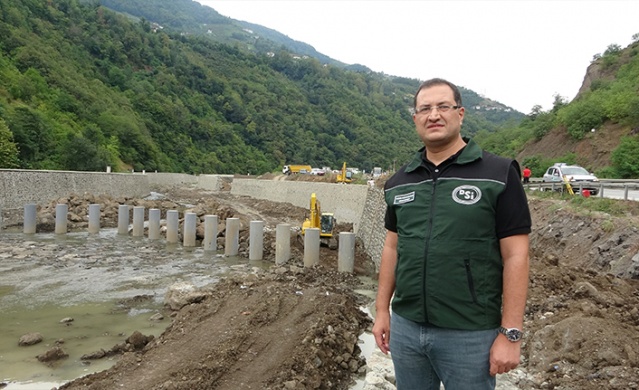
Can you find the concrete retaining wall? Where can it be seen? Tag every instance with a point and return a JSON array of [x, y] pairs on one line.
[[371, 229], [205, 182], [21, 187], [345, 201]]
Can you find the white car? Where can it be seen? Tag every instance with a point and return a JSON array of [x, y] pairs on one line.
[[578, 177], [317, 171]]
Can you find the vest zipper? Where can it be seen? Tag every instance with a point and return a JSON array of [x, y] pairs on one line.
[[428, 238]]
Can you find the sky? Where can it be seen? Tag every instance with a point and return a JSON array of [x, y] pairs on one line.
[[520, 53]]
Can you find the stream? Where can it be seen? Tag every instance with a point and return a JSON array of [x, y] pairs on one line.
[[47, 279]]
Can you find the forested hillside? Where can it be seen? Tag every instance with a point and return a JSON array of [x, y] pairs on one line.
[[190, 17], [83, 87], [599, 129]]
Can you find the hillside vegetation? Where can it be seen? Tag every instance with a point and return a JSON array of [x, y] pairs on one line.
[[83, 87], [598, 129]]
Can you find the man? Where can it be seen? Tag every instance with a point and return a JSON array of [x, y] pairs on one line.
[[527, 173], [457, 223]]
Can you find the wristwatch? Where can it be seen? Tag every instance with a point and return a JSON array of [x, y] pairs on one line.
[[512, 334]]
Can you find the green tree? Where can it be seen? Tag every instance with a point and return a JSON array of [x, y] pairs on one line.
[[34, 137], [583, 115], [625, 158], [8, 149]]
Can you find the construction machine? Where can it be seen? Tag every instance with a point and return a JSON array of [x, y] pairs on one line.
[[344, 176], [291, 169], [325, 222]]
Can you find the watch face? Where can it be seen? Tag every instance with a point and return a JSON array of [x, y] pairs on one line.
[[512, 334]]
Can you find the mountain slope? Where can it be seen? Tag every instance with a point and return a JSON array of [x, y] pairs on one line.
[[599, 128], [190, 17], [82, 87]]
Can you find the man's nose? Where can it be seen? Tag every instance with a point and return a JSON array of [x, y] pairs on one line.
[[434, 114]]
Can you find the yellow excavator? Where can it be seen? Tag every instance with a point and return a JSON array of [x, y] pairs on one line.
[[325, 222], [344, 176]]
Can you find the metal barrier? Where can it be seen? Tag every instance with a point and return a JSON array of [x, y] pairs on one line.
[[629, 188]]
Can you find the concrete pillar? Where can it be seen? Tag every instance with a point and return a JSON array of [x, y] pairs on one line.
[[256, 240], [94, 218], [138, 221], [172, 225], [30, 216], [188, 229], [282, 243], [123, 219], [210, 233], [311, 247], [154, 224], [232, 243], [346, 253], [61, 211]]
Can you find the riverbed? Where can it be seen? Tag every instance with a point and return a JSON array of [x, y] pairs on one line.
[[109, 285]]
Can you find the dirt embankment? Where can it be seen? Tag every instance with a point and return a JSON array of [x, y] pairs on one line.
[[280, 330], [582, 316]]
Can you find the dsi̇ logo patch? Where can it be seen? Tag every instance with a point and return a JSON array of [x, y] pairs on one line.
[[466, 194]]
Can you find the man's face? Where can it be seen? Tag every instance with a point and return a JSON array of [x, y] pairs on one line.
[[437, 128]]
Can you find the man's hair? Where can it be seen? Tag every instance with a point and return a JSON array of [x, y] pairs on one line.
[[438, 81]]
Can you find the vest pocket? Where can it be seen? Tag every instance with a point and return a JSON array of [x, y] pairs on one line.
[[471, 284]]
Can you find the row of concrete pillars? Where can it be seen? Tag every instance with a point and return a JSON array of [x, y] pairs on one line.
[[346, 254]]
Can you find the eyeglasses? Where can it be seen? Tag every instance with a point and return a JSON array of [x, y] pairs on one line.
[[426, 110]]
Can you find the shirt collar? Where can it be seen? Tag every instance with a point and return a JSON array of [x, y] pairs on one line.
[[468, 154]]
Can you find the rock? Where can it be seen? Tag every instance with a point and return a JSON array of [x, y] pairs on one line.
[[94, 355], [181, 294], [55, 353], [30, 339], [156, 317], [585, 289], [138, 340]]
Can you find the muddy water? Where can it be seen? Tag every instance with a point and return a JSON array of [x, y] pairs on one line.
[[95, 326], [45, 278]]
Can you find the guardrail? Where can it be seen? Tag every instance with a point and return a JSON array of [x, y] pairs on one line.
[[602, 186]]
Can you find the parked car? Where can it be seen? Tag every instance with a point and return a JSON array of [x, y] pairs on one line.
[[577, 176], [318, 172]]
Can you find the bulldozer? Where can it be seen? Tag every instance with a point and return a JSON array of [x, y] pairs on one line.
[[325, 222], [344, 176]]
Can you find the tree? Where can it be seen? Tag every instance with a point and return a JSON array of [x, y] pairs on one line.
[[558, 102], [33, 136], [8, 149], [626, 157], [81, 155]]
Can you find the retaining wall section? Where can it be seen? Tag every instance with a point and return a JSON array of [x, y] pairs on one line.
[[205, 182], [371, 229], [20, 187], [345, 201]]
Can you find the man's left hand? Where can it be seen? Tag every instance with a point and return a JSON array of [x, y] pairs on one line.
[[504, 355]]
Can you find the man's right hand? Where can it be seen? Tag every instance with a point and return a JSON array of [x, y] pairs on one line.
[[381, 331]]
